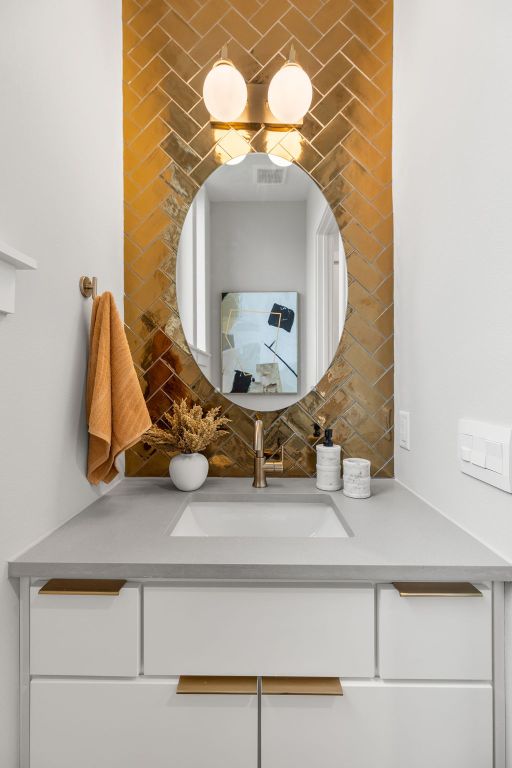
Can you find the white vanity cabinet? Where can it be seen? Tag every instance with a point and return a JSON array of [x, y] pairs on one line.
[[421, 686], [390, 725], [137, 723], [255, 630], [435, 637], [85, 634]]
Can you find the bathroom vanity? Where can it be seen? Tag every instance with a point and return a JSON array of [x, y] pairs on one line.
[[230, 646]]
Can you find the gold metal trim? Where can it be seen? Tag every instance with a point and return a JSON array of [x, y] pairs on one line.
[[256, 114], [301, 686], [194, 684], [102, 587], [436, 589]]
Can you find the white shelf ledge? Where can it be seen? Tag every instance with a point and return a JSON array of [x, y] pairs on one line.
[[10, 261]]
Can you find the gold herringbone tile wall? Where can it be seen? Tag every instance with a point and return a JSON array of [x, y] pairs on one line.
[[345, 144]]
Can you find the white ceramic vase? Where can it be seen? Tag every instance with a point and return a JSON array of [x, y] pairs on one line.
[[188, 471]]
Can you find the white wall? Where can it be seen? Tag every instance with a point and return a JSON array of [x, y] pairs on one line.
[[61, 203], [452, 181], [452, 177], [258, 247]]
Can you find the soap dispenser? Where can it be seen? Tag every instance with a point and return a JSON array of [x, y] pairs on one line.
[[328, 464]]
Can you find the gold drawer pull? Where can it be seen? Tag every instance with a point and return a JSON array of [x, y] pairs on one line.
[[217, 684], [436, 589], [107, 587], [301, 686]]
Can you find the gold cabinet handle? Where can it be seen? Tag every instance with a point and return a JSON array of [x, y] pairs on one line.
[[301, 686], [271, 686], [106, 587], [194, 684], [436, 589]]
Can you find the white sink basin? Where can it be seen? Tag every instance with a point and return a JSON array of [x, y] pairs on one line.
[[260, 514]]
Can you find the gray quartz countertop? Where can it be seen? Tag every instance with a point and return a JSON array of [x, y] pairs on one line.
[[394, 535]]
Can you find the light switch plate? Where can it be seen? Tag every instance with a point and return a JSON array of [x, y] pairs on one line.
[[485, 452], [404, 426], [494, 456]]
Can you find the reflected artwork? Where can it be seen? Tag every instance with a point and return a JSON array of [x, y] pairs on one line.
[[259, 342]]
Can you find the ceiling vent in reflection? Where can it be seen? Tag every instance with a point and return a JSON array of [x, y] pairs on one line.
[[270, 175]]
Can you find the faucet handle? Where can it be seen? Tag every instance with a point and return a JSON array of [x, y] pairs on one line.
[[275, 465], [258, 437]]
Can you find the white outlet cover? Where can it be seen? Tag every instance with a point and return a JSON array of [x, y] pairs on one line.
[[404, 427]]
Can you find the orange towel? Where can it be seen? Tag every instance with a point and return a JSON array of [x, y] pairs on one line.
[[116, 412]]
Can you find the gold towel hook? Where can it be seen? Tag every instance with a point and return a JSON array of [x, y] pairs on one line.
[[88, 286]]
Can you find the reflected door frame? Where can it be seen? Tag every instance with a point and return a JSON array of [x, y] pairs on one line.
[[330, 291], [192, 279]]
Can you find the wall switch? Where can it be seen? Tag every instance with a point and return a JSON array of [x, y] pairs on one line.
[[466, 447], [478, 452], [494, 456], [485, 452], [404, 427]]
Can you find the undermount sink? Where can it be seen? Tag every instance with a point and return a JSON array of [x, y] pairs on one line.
[[262, 514]]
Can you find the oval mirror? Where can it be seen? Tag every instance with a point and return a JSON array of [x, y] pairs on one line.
[[261, 282]]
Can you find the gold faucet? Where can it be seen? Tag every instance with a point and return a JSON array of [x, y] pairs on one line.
[[263, 465]]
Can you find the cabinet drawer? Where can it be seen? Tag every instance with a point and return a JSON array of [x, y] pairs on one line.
[[434, 637], [390, 725], [296, 631], [81, 634], [130, 724]]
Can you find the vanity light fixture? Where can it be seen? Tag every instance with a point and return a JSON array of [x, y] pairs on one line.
[[290, 92], [224, 90], [233, 104]]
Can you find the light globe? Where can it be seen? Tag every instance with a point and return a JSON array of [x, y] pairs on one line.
[[281, 162], [236, 160], [290, 93], [224, 92]]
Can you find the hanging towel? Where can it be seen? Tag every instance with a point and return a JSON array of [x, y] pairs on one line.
[[116, 412]]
